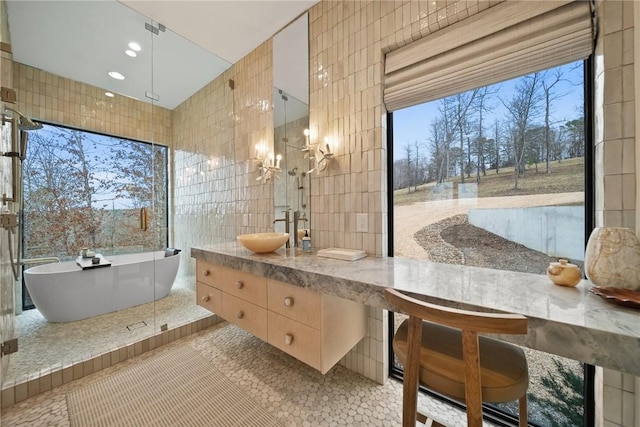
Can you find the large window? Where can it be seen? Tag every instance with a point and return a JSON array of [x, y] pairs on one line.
[[495, 177], [83, 189]]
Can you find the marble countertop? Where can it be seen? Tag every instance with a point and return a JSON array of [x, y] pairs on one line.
[[570, 322]]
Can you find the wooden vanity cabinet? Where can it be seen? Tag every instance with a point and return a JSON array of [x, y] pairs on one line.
[[317, 329]]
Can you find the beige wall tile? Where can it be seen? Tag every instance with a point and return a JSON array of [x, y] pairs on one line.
[[613, 192], [612, 17], [57, 100], [628, 156], [628, 191], [613, 86]]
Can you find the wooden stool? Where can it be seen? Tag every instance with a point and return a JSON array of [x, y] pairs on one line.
[[439, 347]]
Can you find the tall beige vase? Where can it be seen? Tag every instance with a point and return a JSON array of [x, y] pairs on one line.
[[612, 258]]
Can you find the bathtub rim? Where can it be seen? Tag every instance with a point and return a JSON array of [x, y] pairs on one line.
[[116, 260]]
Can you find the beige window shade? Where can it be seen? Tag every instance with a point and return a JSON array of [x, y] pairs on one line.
[[509, 40]]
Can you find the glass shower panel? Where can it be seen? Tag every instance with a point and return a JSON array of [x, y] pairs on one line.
[[86, 179], [202, 161]]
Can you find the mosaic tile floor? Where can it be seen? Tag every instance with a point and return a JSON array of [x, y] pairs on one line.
[[44, 345], [294, 393]]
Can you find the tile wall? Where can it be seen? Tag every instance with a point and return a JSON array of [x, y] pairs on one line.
[[203, 205], [53, 99], [616, 181], [6, 275], [615, 119], [253, 108]]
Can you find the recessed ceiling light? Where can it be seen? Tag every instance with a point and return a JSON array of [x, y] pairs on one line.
[[131, 53], [109, 94], [135, 46], [116, 75]]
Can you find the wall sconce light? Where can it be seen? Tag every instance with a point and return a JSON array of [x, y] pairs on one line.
[[322, 155], [268, 165]]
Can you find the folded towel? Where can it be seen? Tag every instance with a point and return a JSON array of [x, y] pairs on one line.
[[171, 252]]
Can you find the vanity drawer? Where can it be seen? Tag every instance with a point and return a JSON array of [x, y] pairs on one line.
[[209, 297], [241, 284], [205, 272], [296, 339], [300, 304], [249, 317]]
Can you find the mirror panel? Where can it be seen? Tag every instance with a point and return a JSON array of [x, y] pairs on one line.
[[291, 118]]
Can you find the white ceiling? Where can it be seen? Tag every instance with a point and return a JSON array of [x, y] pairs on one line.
[[83, 40]]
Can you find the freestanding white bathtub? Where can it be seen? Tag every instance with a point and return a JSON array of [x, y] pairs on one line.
[[65, 292]]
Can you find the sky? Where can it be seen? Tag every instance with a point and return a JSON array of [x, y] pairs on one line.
[[413, 123]]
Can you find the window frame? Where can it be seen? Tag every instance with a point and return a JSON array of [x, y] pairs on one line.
[[490, 413]]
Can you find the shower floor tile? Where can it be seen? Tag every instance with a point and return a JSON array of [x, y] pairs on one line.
[[45, 346]]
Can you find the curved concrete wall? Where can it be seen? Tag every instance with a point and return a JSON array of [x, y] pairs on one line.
[[555, 230]]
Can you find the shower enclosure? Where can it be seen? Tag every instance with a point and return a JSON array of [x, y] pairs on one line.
[[111, 160]]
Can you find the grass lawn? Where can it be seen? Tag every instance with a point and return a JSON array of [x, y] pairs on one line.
[[566, 176]]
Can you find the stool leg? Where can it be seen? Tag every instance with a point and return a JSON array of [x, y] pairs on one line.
[[472, 385], [522, 406], [411, 373]]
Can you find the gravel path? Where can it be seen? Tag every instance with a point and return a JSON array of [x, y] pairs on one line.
[[409, 219]]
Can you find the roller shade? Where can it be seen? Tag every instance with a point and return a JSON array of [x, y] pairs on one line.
[[506, 41]]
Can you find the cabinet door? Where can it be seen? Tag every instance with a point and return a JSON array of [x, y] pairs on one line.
[[296, 339], [249, 317]]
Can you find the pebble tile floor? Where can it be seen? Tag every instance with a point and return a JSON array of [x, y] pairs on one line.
[[294, 393]]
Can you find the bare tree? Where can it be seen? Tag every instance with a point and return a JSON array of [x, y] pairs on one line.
[[574, 131], [61, 180], [523, 107], [548, 83], [462, 106], [448, 127], [418, 172], [409, 160], [437, 152], [143, 168], [497, 145], [481, 106]]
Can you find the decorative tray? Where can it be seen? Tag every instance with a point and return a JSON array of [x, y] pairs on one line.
[[620, 296], [86, 264]]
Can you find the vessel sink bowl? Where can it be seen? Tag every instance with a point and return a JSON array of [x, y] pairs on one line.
[[262, 243]]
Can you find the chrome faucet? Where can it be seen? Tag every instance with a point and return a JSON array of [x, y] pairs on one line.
[[296, 218], [286, 225]]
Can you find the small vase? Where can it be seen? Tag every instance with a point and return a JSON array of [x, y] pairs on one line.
[[563, 273], [612, 258]]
